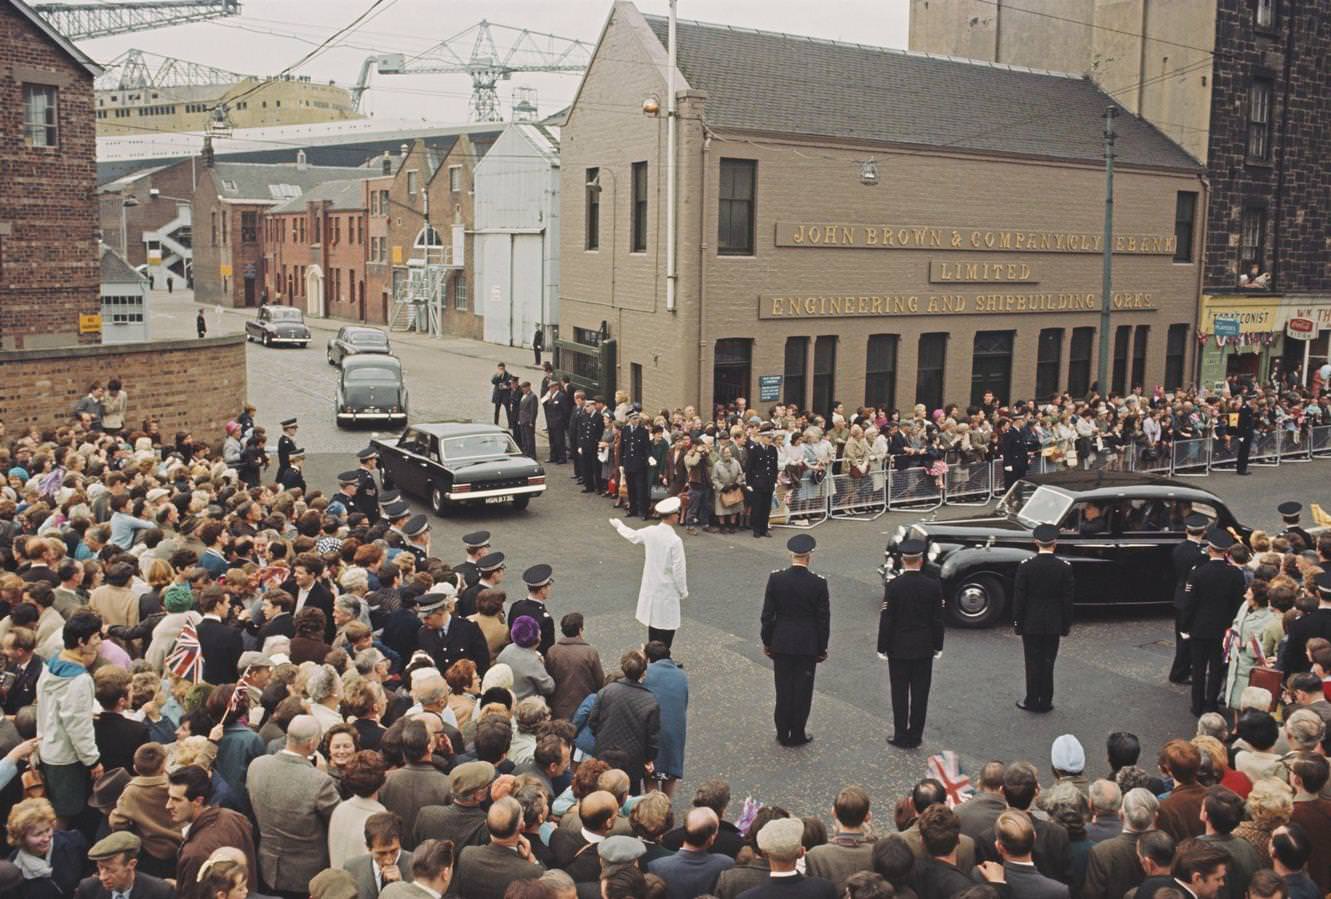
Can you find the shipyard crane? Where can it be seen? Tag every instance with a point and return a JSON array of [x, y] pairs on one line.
[[475, 52], [82, 21], [138, 69]]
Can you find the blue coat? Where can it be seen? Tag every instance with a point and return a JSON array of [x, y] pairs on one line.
[[670, 686]]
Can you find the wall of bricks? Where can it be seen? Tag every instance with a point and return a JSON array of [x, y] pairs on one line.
[[151, 213], [190, 385], [49, 268]]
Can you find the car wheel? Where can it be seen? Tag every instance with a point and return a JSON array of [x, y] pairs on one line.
[[978, 602], [266, 341], [437, 500], [329, 356], [521, 502]]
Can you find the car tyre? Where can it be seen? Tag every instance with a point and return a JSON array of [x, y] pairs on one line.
[[266, 341], [438, 501], [979, 601], [521, 502], [329, 356]]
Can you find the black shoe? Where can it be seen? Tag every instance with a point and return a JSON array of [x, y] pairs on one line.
[[756, 536], [1026, 706], [898, 742], [1181, 681], [801, 740], [1244, 473]]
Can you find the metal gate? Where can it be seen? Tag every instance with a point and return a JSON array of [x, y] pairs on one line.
[[1295, 446], [1319, 440], [1192, 458], [914, 489], [1265, 449], [803, 505], [970, 484], [861, 499]]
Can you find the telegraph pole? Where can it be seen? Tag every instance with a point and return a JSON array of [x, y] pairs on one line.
[[1107, 282]]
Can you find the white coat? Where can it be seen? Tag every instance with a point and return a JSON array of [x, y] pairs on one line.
[[664, 579]]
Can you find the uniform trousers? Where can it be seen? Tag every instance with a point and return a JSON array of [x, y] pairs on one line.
[[911, 679], [760, 509], [1208, 669], [591, 467], [1181, 669], [661, 634], [794, 693], [639, 493], [1245, 447], [1040, 650]]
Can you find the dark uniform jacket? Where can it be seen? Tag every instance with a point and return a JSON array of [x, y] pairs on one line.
[[534, 608], [1214, 593], [589, 429], [634, 448], [221, 645], [292, 479], [1246, 423], [1185, 557], [463, 640], [470, 573], [1042, 598], [285, 446], [366, 499], [1316, 623], [1013, 448], [910, 625], [761, 467], [797, 615], [466, 605]]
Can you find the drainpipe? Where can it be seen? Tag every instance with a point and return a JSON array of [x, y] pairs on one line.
[[1276, 283], [1199, 257], [670, 167], [702, 260]]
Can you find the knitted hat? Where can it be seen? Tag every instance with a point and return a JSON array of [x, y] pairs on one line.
[[526, 632], [178, 598]]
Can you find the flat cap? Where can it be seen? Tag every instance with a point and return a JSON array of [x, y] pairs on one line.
[[620, 849], [668, 506], [801, 544], [912, 547], [1290, 509], [348, 477], [490, 562], [781, 838], [289, 422], [252, 659], [396, 509], [416, 524], [157, 493], [765, 428], [333, 883], [476, 539], [537, 576], [1067, 754], [470, 777], [119, 842], [1045, 533], [1196, 523], [368, 453], [1219, 538]]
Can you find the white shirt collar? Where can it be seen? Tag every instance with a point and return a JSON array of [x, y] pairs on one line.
[[432, 893], [591, 837]]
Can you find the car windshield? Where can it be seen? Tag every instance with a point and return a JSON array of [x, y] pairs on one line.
[[368, 338], [479, 446], [1045, 506], [371, 376], [284, 314]]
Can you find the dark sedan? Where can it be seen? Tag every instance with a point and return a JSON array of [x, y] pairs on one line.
[[371, 388], [277, 325], [352, 341], [1118, 529], [453, 464]]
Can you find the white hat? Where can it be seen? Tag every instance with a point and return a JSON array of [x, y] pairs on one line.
[[668, 506], [448, 588], [1068, 755]]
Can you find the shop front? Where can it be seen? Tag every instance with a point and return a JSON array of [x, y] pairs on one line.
[[1262, 337]]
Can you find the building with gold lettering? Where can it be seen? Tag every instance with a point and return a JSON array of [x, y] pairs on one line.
[[858, 224]]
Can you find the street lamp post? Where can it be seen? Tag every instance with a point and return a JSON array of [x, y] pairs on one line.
[[125, 203], [1107, 280]]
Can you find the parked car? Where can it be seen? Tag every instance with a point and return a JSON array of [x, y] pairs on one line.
[[277, 325], [371, 388], [352, 341], [452, 464], [1118, 529]]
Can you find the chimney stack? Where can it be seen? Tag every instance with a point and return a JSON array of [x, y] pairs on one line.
[[300, 160], [208, 157], [387, 163]]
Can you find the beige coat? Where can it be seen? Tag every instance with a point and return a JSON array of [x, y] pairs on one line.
[[116, 605], [142, 809]]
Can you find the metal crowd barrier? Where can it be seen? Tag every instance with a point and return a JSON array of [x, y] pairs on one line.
[[1295, 446], [860, 499], [1265, 449], [1319, 441], [1224, 451], [914, 489], [805, 505], [1191, 458], [1145, 460], [969, 484]]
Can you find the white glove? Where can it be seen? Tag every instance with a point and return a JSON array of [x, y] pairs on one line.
[[1185, 636], [938, 655], [883, 656], [652, 461]]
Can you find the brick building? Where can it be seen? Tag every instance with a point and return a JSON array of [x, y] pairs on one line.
[[864, 225], [146, 216], [315, 249], [49, 263]]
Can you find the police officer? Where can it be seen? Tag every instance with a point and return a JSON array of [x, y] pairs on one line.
[[539, 580], [1186, 556], [1245, 432], [1041, 614], [760, 472], [1214, 592], [396, 513], [477, 544], [910, 637], [417, 531], [344, 500], [590, 428], [491, 569], [290, 475], [1289, 517], [367, 488], [635, 448], [1016, 458], [286, 445], [445, 636], [796, 624]]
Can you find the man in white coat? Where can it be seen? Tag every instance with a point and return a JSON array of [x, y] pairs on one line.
[[664, 580]]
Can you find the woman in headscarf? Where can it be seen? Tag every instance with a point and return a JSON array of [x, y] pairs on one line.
[[728, 475], [178, 602], [529, 675]]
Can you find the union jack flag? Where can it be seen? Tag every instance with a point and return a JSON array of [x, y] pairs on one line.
[[946, 768], [186, 660]]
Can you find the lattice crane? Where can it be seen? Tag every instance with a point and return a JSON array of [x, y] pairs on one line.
[[138, 68], [81, 21], [475, 52]]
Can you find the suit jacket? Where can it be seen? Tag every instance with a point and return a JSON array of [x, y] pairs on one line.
[[1213, 594], [966, 854], [761, 467], [794, 887], [320, 597], [361, 869], [221, 645], [1053, 856], [118, 738], [576, 667], [1185, 557], [464, 640], [527, 409], [1026, 882], [1314, 816], [1113, 868], [463, 824], [145, 887], [979, 813], [634, 448], [215, 827], [1180, 814], [292, 802], [403, 890], [1316, 623], [409, 789], [910, 625], [797, 615], [24, 689], [838, 860], [934, 879], [484, 872], [1042, 596]]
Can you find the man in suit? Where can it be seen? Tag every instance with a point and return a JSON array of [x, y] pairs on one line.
[[694, 869], [796, 625], [1014, 838], [219, 642], [117, 859], [574, 427], [463, 821], [940, 871], [1245, 431], [447, 637], [635, 452], [1214, 592], [366, 499], [540, 581], [979, 813], [1200, 870], [590, 428], [206, 828], [910, 637], [1222, 811], [851, 848], [924, 796], [484, 872], [1041, 615], [1185, 557], [528, 409], [1316, 623], [19, 647], [416, 785], [1051, 853], [781, 843], [431, 873], [760, 473], [1155, 851], [556, 402], [292, 801], [306, 586], [1112, 867], [386, 862]]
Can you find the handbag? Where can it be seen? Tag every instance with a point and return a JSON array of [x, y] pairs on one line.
[[658, 493], [732, 496], [1268, 679], [856, 471], [34, 785]]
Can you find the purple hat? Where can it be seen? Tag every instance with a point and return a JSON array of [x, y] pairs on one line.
[[525, 631]]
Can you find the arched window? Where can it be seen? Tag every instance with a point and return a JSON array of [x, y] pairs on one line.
[[427, 237]]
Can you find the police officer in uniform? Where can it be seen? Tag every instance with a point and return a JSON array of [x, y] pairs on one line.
[[1185, 557], [286, 445], [447, 637], [491, 569], [1214, 592], [1289, 517], [910, 637], [290, 475], [344, 500], [477, 544], [539, 580], [635, 448], [1016, 458], [760, 472], [1245, 432], [417, 531], [590, 428], [1041, 615], [367, 488], [396, 513], [796, 625]]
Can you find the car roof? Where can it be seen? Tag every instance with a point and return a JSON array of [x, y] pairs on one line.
[[1111, 484], [457, 428], [373, 360], [376, 331]]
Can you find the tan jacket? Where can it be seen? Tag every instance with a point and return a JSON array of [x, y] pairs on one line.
[[142, 810], [116, 605]]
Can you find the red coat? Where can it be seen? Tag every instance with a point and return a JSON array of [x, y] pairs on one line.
[[215, 827]]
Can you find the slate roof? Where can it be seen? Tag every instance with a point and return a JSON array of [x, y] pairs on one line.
[[788, 84], [64, 43], [115, 270], [345, 194], [277, 183]]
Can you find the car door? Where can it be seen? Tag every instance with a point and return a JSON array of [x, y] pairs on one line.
[[335, 347], [436, 474], [1086, 539], [411, 465], [1148, 529]]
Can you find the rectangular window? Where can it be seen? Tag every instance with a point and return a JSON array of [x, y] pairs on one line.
[[1176, 349], [991, 365], [460, 293], [1252, 249], [336, 229], [411, 183], [1048, 362], [731, 370], [824, 374], [880, 371], [1264, 14], [213, 220], [249, 227], [1259, 119], [1139, 338], [638, 231], [592, 220], [796, 371], [734, 226], [384, 203], [455, 178], [1185, 213], [39, 116], [1120, 374], [1079, 361], [929, 370], [635, 382]]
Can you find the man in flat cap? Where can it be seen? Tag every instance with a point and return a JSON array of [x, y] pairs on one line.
[[782, 843], [477, 544], [1289, 518], [1214, 593], [117, 877], [490, 568], [760, 472], [910, 637], [1041, 615], [540, 579], [796, 625], [1316, 623], [286, 444], [1186, 556], [448, 637], [367, 488], [664, 574]]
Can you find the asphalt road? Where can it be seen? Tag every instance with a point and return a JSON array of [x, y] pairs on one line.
[[1110, 674]]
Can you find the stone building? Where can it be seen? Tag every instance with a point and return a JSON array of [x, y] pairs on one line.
[[315, 249], [858, 224], [146, 216]]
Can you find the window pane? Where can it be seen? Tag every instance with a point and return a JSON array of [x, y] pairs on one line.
[[991, 365], [638, 237], [880, 368], [730, 370], [824, 374], [929, 373], [1079, 361], [1120, 375], [735, 208], [1139, 339], [593, 218], [1048, 359], [797, 360], [1185, 213], [1176, 348], [39, 112]]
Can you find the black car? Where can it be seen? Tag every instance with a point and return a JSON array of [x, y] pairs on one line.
[[453, 464], [276, 325], [352, 341], [370, 388], [1117, 529]]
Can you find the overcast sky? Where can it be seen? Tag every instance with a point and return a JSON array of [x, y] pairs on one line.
[[272, 34]]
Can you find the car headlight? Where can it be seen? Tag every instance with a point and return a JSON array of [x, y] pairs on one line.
[[899, 534]]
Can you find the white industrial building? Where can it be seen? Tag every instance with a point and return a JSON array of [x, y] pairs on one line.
[[124, 300]]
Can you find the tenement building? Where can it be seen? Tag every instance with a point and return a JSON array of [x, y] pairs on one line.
[[862, 225]]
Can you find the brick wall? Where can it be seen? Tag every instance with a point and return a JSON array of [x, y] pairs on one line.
[[151, 213], [49, 267], [190, 385]]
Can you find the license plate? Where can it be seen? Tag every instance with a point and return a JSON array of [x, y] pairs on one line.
[[498, 499]]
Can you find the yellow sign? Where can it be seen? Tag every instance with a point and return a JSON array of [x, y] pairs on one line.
[[980, 272], [925, 237], [1253, 316], [842, 305], [225, 269], [154, 257], [397, 255], [90, 324]]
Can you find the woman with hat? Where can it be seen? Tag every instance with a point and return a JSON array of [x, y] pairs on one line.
[[529, 675]]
